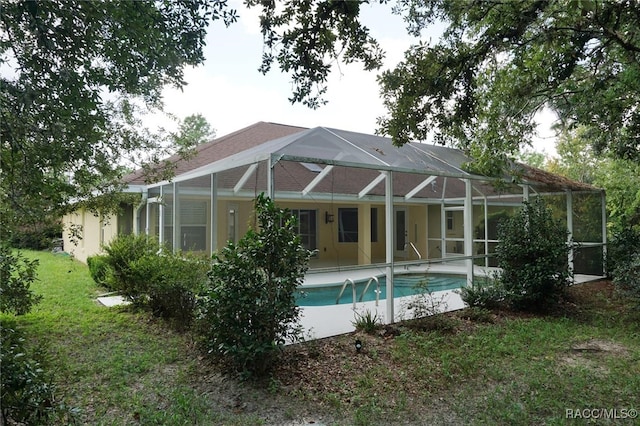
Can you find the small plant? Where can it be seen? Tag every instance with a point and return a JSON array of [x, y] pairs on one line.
[[442, 323], [165, 282], [483, 293], [16, 276], [173, 285], [423, 303], [367, 321], [621, 249], [477, 314], [26, 391], [131, 259], [37, 236]]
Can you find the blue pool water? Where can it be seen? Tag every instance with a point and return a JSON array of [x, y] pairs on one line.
[[403, 285]]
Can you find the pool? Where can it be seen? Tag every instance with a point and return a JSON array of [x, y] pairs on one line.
[[403, 285]]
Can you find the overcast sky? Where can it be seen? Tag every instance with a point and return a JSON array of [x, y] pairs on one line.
[[231, 93]]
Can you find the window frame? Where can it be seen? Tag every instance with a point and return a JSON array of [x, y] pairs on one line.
[[348, 217], [312, 235]]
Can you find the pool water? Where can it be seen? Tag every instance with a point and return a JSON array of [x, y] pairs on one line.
[[403, 285]]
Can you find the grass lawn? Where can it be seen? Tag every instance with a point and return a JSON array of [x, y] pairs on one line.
[[469, 367]]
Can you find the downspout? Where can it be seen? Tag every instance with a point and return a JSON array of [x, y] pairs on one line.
[[138, 209]]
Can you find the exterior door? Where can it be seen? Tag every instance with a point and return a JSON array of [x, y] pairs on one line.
[[400, 232]]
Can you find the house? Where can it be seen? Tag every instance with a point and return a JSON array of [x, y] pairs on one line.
[[360, 201]]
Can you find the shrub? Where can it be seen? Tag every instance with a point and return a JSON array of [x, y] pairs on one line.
[[26, 391], [99, 270], [164, 282], [132, 258], [248, 307], [483, 294], [627, 279], [532, 253], [16, 276], [621, 249], [477, 314], [173, 285], [38, 236], [423, 303]]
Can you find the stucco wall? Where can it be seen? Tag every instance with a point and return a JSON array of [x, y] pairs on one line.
[[95, 231]]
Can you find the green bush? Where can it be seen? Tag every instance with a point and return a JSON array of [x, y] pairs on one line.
[[483, 293], [132, 258], [173, 286], [627, 279], [16, 276], [248, 307], [621, 249], [99, 270], [26, 391], [162, 281], [37, 236], [367, 321], [533, 255]]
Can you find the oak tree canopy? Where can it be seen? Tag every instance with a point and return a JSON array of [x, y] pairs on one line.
[[480, 85]]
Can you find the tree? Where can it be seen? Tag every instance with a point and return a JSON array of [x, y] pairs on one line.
[[576, 159], [307, 37], [532, 257], [194, 130], [75, 78], [160, 164], [16, 276], [531, 158], [620, 178], [496, 65], [248, 307]]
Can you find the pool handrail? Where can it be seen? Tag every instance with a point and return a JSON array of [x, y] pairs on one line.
[[409, 243], [353, 288], [366, 287]]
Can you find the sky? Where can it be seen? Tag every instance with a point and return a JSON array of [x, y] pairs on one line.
[[230, 92]]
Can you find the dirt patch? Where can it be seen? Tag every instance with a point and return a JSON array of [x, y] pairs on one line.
[[590, 355], [600, 346]]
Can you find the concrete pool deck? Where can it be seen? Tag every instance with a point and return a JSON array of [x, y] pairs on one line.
[[326, 321], [330, 320]]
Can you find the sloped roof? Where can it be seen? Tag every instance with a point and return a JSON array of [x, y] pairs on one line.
[[552, 180], [333, 147], [223, 147]]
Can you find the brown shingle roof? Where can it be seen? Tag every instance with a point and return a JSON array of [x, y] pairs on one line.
[[293, 176], [552, 180], [223, 147]]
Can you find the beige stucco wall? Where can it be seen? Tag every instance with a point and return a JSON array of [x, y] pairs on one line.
[[95, 231], [423, 222]]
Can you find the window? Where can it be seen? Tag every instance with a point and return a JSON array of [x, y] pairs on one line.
[[374, 225], [348, 225], [449, 220], [307, 228], [192, 222]]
